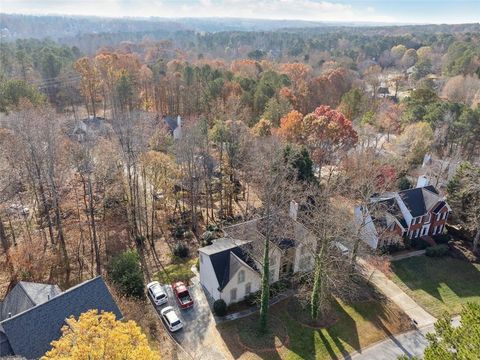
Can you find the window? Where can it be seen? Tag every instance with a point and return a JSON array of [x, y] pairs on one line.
[[416, 233], [424, 230], [445, 214], [271, 275], [241, 276], [303, 250], [305, 263], [233, 294], [273, 260], [248, 288]]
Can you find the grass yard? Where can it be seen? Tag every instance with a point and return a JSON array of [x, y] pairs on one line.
[[438, 284], [178, 271], [358, 325]]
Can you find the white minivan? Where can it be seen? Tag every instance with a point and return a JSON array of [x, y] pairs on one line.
[[157, 293]]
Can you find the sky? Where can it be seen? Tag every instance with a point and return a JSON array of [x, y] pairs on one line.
[[389, 11]]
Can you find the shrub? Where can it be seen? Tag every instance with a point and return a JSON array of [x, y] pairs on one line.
[[207, 238], [126, 274], [181, 251], [437, 250], [252, 299], [442, 239], [179, 232], [403, 183], [420, 244], [220, 307]]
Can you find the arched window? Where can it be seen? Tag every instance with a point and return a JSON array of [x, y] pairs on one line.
[[241, 276]]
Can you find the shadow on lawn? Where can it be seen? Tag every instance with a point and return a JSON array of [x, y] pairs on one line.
[[428, 274], [230, 335], [334, 342]]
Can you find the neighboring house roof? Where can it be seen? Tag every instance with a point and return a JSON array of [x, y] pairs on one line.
[[30, 332], [383, 90], [419, 200], [439, 207], [284, 243], [390, 205], [227, 256], [171, 122], [26, 295]]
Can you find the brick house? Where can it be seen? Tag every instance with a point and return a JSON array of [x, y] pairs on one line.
[[411, 214]]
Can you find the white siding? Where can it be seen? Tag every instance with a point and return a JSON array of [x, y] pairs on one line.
[[405, 212], [250, 277], [207, 276], [367, 230]]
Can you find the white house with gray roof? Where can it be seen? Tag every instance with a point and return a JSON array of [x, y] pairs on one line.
[[230, 268]]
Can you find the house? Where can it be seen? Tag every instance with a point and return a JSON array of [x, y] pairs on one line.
[[90, 128], [230, 268], [174, 126], [383, 91], [411, 213], [32, 314]]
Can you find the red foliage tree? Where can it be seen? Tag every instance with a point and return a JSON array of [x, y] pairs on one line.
[[327, 132]]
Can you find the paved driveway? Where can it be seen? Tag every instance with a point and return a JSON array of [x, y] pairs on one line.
[[199, 336]]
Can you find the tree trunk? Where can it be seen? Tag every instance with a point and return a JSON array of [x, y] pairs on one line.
[[476, 241], [94, 228]]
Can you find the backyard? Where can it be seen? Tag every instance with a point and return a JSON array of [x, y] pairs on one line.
[[354, 326], [179, 270], [438, 284]]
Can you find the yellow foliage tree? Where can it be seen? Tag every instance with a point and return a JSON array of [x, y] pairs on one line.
[[100, 336]]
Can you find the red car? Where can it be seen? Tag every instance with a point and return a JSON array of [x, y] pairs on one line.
[[182, 294]]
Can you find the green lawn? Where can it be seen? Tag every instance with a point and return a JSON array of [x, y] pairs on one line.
[[439, 284], [179, 271], [357, 326]]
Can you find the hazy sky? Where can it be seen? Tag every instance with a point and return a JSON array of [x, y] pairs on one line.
[[404, 11]]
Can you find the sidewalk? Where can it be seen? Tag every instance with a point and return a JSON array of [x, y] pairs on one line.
[[412, 343], [407, 255], [419, 316]]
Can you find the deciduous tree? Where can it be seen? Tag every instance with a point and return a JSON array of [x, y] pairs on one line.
[[100, 336]]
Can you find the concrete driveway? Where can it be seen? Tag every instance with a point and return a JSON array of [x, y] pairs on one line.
[[199, 336]]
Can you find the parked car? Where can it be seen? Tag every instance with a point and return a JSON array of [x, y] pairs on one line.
[[171, 319], [182, 294], [157, 293]]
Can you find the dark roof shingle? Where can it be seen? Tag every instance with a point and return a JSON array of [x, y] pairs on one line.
[[414, 199], [31, 332]]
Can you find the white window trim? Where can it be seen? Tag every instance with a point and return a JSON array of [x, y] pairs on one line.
[[233, 292], [241, 279]]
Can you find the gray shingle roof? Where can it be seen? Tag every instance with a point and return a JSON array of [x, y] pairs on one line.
[[26, 295], [224, 264], [31, 332], [418, 199]]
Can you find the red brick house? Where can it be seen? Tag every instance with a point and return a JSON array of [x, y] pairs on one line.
[[411, 213]]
